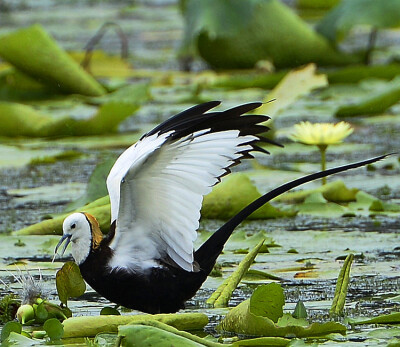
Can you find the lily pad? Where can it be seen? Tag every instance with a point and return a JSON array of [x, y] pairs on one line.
[[54, 329], [9, 328], [35, 53], [143, 335], [377, 14], [295, 84], [376, 103], [96, 187], [105, 65], [239, 34], [92, 325], [233, 194], [22, 120], [262, 315]]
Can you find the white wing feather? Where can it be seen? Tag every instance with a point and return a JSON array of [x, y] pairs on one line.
[[156, 190]]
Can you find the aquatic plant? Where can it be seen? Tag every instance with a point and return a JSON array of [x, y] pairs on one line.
[[321, 135]]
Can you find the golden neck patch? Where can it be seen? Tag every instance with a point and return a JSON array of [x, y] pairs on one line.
[[97, 235]]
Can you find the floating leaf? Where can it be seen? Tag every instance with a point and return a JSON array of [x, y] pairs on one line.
[[69, 282], [96, 187], [257, 316], [10, 327], [54, 226], [92, 325], [295, 84], [376, 103], [157, 334], [233, 194], [263, 341], [377, 14], [22, 120], [316, 204], [105, 65], [15, 339], [392, 318], [342, 283], [257, 275], [335, 191], [237, 34], [54, 329], [224, 292], [35, 53]]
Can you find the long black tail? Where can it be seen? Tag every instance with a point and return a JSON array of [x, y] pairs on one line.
[[207, 254]]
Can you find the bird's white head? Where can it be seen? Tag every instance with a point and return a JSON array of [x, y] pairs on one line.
[[83, 231]]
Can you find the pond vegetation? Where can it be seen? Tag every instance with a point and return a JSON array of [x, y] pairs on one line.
[[317, 265]]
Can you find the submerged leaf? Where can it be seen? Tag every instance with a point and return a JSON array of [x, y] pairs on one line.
[[69, 282]]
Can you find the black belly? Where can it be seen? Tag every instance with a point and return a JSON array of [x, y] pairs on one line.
[[160, 290]]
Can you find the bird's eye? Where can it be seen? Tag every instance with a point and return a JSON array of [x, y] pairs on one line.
[[73, 226]]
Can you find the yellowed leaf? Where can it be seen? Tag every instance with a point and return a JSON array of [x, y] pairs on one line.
[[295, 84]]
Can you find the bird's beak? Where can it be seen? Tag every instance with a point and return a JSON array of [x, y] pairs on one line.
[[64, 237]]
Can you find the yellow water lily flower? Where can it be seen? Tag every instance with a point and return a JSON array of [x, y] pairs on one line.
[[321, 134]]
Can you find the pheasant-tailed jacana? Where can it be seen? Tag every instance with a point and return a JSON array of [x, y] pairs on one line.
[[156, 188]]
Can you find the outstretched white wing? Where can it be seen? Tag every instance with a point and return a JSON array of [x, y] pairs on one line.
[[156, 189]]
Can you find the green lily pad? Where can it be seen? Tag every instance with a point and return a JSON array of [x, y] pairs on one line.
[[10, 327], [376, 103], [391, 318], [143, 335], [335, 191], [234, 193], [22, 120], [35, 53], [92, 325], [16, 339], [104, 65], [377, 14], [239, 34], [54, 329], [262, 315], [96, 187], [316, 204]]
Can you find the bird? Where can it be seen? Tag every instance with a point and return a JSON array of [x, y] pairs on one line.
[[147, 260]]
